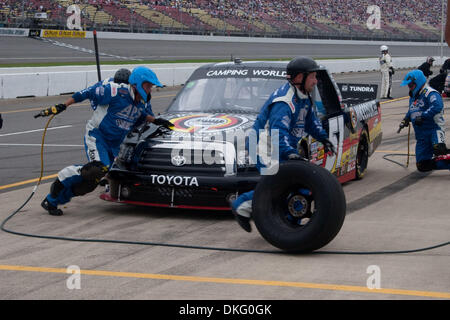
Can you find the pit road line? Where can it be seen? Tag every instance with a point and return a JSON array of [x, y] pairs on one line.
[[306, 285], [12, 185], [75, 105]]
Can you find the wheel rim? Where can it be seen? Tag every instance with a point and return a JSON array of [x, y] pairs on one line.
[[298, 207]]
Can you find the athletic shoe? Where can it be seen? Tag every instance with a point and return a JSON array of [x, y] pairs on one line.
[[244, 222], [52, 210]]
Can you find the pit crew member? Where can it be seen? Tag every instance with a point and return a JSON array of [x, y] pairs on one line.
[[426, 114], [289, 110], [117, 107]]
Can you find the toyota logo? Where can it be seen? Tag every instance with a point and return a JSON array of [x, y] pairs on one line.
[[178, 161]]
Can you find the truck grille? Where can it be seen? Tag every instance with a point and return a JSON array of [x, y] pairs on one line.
[[159, 160]]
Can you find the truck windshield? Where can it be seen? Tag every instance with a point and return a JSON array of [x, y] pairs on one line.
[[232, 94]]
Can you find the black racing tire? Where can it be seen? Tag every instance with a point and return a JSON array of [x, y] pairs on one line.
[[362, 155], [325, 216], [113, 188]]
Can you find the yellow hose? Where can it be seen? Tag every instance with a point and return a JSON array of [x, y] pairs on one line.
[[42, 149]]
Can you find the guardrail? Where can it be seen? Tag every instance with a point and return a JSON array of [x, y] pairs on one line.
[[50, 81]]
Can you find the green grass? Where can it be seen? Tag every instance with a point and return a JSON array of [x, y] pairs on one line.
[[122, 62]]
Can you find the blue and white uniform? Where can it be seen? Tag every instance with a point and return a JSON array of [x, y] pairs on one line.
[[290, 112], [429, 106], [115, 113]]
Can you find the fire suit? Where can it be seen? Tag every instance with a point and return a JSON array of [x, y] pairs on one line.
[[428, 107], [115, 113], [386, 75], [290, 112]]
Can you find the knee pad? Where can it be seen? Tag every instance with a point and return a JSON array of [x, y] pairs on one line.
[[56, 188], [440, 149], [91, 174], [93, 171], [426, 165]]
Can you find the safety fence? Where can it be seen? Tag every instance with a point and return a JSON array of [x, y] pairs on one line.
[[50, 81]]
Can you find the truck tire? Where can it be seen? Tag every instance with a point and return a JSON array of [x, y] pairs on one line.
[[299, 209], [114, 188], [362, 155]]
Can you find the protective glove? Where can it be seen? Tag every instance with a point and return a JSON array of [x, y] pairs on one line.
[[403, 124], [392, 70], [52, 110], [328, 146], [418, 121], [295, 156], [163, 122]]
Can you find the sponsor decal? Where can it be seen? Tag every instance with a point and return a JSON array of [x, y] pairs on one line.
[[319, 162], [13, 32], [353, 118], [63, 34], [240, 72], [207, 123], [354, 88], [353, 94], [174, 180], [91, 154], [320, 154], [351, 165], [247, 72], [113, 91], [366, 110], [34, 33], [313, 147]]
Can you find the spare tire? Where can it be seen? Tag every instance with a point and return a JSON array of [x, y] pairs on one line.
[[299, 209]]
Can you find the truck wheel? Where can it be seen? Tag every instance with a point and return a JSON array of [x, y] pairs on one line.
[[114, 189], [300, 209], [362, 155]]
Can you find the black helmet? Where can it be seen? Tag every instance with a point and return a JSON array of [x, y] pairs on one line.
[[301, 65], [122, 75]]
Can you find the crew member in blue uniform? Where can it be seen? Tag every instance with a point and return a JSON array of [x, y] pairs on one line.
[[290, 111], [117, 108], [426, 112]]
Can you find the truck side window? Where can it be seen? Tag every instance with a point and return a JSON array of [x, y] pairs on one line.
[[328, 93]]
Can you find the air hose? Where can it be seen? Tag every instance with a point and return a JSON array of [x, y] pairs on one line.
[[400, 154], [3, 228]]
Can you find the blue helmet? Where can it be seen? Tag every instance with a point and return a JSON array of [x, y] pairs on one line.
[[139, 76], [417, 77]]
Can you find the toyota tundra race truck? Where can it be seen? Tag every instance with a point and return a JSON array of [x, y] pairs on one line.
[[196, 166]]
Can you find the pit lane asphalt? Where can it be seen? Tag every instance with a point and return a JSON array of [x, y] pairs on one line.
[[404, 210]]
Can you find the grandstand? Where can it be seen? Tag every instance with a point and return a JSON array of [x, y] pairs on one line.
[[346, 19]]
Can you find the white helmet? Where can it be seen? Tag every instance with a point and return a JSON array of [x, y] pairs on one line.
[[384, 48]]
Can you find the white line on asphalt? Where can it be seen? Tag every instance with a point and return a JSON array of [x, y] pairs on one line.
[[31, 131], [38, 145]]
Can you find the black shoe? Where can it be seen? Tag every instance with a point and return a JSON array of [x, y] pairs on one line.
[[389, 97], [52, 210], [244, 222]]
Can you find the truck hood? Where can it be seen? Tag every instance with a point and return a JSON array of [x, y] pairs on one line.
[[198, 126]]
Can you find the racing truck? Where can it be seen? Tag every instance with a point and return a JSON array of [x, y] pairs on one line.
[[223, 99], [196, 165]]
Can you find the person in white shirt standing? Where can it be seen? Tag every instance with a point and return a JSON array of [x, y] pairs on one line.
[[387, 71]]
